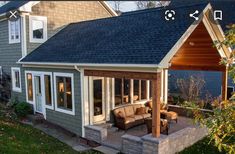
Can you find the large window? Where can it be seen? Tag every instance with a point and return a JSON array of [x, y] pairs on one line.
[[29, 87], [64, 92], [140, 90], [48, 91], [122, 91], [38, 29], [14, 31], [16, 79]]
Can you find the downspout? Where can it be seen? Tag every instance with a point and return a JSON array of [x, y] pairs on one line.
[[81, 71]]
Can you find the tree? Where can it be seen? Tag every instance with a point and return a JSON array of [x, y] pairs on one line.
[[221, 124], [190, 88], [151, 4], [117, 6]]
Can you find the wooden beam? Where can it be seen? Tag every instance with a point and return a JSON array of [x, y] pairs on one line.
[[195, 67], [224, 84], [121, 74], [156, 89]]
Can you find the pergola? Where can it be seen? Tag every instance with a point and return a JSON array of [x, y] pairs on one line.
[[193, 51]]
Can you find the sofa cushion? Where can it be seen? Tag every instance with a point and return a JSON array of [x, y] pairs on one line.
[[138, 117], [129, 120], [116, 111], [140, 111], [147, 115], [121, 114], [129, 111]]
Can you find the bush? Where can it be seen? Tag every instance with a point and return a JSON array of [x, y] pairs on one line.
[[22, 109]]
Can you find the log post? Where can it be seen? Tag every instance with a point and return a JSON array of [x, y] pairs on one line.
[[224, 84], [156, 90]]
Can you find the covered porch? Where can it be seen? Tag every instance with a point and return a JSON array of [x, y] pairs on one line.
[[193, 51]]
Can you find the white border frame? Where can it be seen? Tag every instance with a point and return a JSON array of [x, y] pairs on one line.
[[52, 87], [14, 88], [13, 41], [70, 75], [39, 18], [41, 74], [26, 86]]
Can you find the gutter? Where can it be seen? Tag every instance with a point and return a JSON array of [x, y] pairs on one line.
[[92, 64]]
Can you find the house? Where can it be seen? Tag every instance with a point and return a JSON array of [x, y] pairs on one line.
[[37, 21], [81, 73], [92, 67]]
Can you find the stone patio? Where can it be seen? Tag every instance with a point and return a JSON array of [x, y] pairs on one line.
[[114, 135]]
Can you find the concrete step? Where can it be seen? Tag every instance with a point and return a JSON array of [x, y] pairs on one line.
[[106, 150]]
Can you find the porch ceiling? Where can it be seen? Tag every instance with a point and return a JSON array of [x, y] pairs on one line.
[[197, 53]]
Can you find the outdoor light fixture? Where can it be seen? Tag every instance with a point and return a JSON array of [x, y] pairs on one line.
[[191, 43], [61, 87]]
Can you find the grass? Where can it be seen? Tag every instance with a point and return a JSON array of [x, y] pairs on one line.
[[202, 147], [19, 138]]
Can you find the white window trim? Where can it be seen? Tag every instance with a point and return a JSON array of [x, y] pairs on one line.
[[1, 74], [12, 41], [43, 88], [16, 89], [52, 98], [55, 92], [40, 18]]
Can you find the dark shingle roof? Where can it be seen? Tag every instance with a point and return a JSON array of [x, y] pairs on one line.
[[11, 6], [143, 37]]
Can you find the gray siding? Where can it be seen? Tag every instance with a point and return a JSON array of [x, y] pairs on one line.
[[9, 53], [72, 123]]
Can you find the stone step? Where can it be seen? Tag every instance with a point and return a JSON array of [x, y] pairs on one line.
[[112, 145], [106, 150]]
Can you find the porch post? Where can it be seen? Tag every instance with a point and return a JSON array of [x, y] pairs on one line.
[[165, 86], [156, 89], [224, 84]]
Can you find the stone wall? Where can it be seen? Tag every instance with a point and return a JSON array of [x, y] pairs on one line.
[[95, 133], [165, 144], [131, 144]]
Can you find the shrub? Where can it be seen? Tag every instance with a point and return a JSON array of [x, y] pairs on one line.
[[22, 109]]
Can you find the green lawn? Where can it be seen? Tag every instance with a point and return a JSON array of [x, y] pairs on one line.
[[202, 147], [17, 138]]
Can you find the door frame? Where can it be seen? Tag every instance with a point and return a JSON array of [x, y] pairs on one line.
[[42, 75], [99, 118]]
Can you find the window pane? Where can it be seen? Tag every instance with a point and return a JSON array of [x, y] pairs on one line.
[[98, 100], [30, 86], [37, 27], [17, 31], [12, 29], [69, 93], [118, 92], [126, 97], [48, 89], [136, 90], [143, 89], [64, 92], [17, 79]]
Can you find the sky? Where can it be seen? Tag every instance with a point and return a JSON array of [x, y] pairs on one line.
[[125, 5]]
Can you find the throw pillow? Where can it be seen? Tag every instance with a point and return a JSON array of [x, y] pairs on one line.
[[120, 114], [140, 110]]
